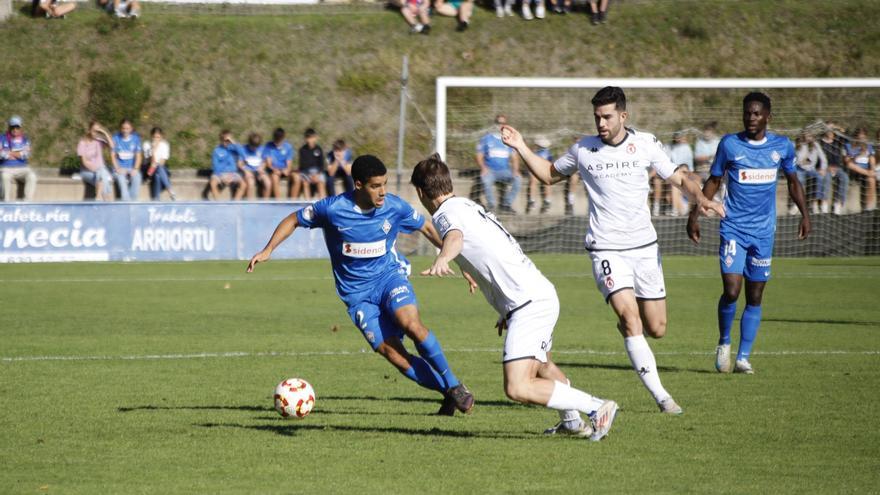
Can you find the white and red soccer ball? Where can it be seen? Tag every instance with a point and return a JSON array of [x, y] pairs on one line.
[[294, 398]]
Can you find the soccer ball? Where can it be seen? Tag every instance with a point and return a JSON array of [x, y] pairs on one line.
[[294, 398]]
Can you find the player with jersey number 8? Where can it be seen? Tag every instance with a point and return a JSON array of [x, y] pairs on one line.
[[621, 240]]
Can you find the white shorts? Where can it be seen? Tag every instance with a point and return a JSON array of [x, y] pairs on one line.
[[530, 331], [637, 269]]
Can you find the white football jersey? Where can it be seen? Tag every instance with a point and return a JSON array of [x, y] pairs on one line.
[[616, 178], [506, 276]]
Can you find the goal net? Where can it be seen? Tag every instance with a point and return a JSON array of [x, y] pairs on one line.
[[694, 112]]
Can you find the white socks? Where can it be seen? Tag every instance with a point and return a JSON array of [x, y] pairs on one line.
[[645, 365], [569, 400]]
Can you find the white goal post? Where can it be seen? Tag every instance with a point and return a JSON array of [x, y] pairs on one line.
[[446, 82]]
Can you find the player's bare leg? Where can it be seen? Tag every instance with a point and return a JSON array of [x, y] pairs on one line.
[[241, 188], [653, 315], [457, 393], [523, 383], [630, 325]]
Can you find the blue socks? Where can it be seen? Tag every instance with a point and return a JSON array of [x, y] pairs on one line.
[[422, 373], [726, 313], [431, 351], [748, 328]]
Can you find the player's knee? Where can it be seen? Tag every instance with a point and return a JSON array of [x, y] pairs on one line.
[[657, 329], [516, 391], [731, 294]]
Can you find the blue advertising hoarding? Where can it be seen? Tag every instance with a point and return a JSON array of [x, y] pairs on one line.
[[41, 232]]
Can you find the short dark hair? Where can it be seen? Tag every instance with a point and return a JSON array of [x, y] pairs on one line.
[[278, 134], [225, 132], [124, 121], [339, 144], [365, 167], [156, 129], [309, 132], [756, 96], [254, 139], [431, 175], [610, 94]]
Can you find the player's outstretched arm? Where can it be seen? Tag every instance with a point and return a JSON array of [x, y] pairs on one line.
[[683, 180], [451, 247], [709, 190], [796, 192], [541, 168], [282, 232]]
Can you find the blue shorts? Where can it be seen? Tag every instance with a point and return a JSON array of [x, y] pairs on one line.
[[374, 315], [746, 255]]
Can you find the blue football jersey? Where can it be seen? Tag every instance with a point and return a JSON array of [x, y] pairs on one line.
[[253, 157], [126, 150], [278, 155], [752, 171], [361, 243], [545, 154], [496, 154]]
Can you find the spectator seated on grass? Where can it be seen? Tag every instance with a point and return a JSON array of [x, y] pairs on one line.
[[339, 167], [540, 10], [812, 167], [127, 159], [312, 167], [121, 8], [416, 13], [255, 163], [462, 10], [561, 7], [835, 154], [93, 171], [157, 151], [52, 9], [226, 167], [279, 156], [498, 164], [15, 152], [504, 8], [862, 162]]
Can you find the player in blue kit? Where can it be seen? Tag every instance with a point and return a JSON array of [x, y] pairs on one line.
[[360, 229], [751, 160]]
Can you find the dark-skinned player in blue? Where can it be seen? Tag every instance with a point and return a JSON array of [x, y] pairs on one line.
[[360, 230], [751, 161]]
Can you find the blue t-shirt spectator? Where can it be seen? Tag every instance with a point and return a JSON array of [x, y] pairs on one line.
[[278, 155], [9, 144], [253, 157], [126, 149], [860, 158], [495, 153], [224, 160], [347, 156]]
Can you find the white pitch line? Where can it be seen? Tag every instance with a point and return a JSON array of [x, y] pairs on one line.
[[223, 355]]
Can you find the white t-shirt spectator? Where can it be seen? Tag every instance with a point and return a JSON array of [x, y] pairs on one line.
[[706, 147], [163, 151], [681, 154], [811, 157]]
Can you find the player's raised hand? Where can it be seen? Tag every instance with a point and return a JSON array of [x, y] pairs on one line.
[[440, 268], [805, 227], [708, 205], [511, 137], [257, 258]]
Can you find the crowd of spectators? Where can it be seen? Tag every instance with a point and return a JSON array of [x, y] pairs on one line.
[[58, 9]]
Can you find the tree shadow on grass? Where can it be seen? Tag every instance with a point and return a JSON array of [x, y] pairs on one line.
[[291, 430], [626, 367], [819, 321]]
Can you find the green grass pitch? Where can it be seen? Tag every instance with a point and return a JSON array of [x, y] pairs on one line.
[[157, 378]]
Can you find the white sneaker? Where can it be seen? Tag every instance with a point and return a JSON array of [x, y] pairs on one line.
[[499, 11], [744, 367], [668, 406], [838, 208], [656, 210], [508, 10], [527, 12], [722, 358], [825, 207], [540, 11], [815, 209], [601, 420], [584, 430]]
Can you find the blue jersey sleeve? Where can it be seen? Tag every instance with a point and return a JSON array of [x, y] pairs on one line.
[[410, 219], [790, 158], [216, 166], [314, 216], [719, 164]]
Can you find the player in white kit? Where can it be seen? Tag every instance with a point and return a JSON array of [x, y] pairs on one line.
[[526, 301], [621, 240]]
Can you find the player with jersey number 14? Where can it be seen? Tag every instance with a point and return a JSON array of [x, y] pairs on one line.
[[751, 161], [621, 240]]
